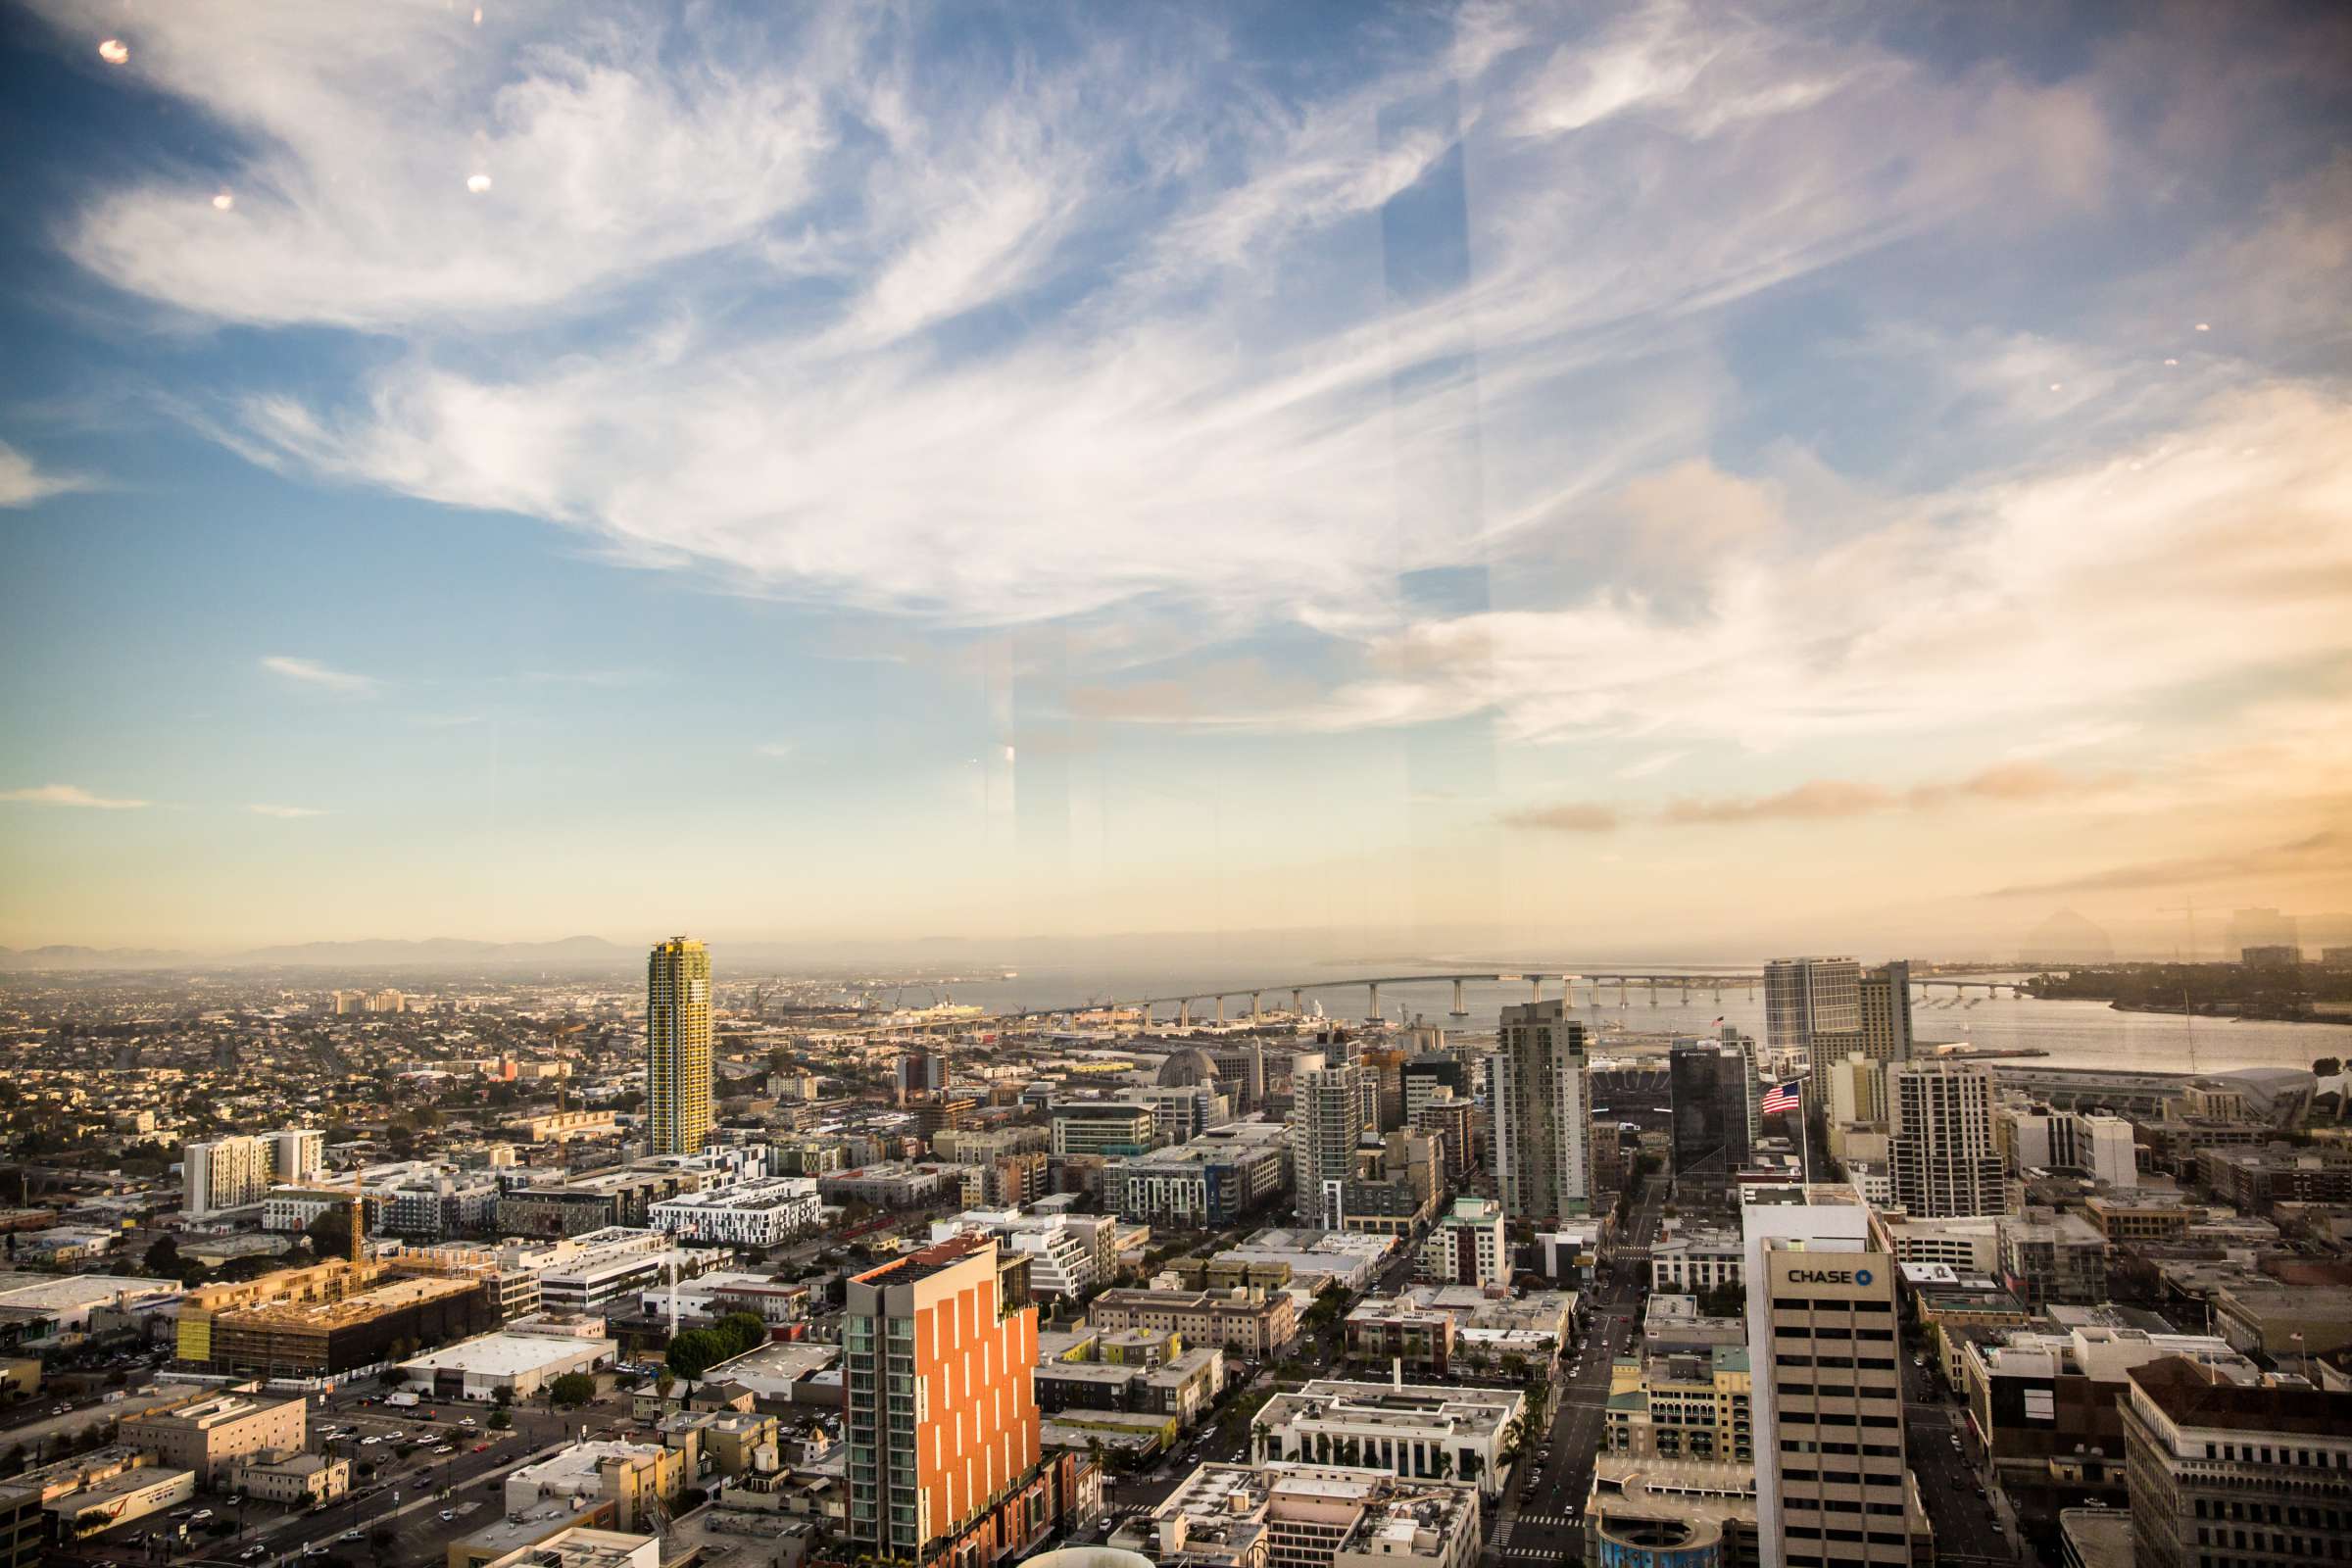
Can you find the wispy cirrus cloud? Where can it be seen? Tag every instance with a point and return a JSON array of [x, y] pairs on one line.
[[1831, 800], [285, 813], [23, 482], [1567, 818], [70, 795], [1214, 382], [311, 673]]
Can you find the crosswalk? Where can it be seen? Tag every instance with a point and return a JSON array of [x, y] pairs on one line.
[[1556, 1521]]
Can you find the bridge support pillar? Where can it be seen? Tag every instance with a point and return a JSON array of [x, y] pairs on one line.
[[1459, 1011], [1220, 1009], [1184, 1013], [1685, 992], [1621, 991], [1653, 990], [1298, 1000], [1535, 988], [1254, 1009], [1374, 988]]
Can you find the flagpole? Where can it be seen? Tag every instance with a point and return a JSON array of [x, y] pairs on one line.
[[1804, 1133]]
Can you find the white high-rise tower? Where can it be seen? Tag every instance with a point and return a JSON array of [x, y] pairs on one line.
[[1542, 1104]]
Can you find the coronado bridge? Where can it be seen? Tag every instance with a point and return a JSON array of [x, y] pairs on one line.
[[1594, 986]]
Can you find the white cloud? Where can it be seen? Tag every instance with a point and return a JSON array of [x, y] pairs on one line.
[[1214, 398], [2206, 555], [1654, 764], [23, 482], [616, 146], [264, 808], [311, 673], [68, 795], [774, 748]]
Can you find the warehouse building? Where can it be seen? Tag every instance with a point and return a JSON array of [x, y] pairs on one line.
[[517, 1361]]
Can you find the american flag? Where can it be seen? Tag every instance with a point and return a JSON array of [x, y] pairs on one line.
[[1781, 1098]]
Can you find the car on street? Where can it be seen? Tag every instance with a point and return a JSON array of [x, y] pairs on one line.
[[448, 1514]]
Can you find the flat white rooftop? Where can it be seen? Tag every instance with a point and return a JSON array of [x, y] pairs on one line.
[[505, 1354]]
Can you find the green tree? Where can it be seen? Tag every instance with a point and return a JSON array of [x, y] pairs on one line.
[[163, 1257], [500, 1421], [694, 1352], [571, 1390], [742, 1331]]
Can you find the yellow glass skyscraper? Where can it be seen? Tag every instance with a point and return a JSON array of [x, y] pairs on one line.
[[677, 1046]]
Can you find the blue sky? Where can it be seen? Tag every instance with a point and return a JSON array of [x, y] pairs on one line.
[[1715, 479]]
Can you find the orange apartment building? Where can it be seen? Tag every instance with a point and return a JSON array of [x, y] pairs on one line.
[[942, 1425]]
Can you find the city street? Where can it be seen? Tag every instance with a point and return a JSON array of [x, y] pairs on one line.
[[1542, 1518], [1950, 1485]]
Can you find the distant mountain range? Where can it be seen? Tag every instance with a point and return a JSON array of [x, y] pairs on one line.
[[440, 952]]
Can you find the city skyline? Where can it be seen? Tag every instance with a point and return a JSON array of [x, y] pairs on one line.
[[1175, 469]]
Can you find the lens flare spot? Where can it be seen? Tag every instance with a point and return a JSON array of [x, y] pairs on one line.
[[477, 183], [223, 202], [113, 51], [2204, 327]]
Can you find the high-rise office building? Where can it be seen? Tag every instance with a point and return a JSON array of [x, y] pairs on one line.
[[920, 1073], [2040, 1139], [1543, 1106], [1330, 1109], [939, 1415], [1828, 1394], [2220, 1473], [1385, 1070], [1812, 1008], [1943, 1151], [1430, 1075], [1885, 992], [1709, 1092], [1882, 1033], [224, 1173], [677, 1046]]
